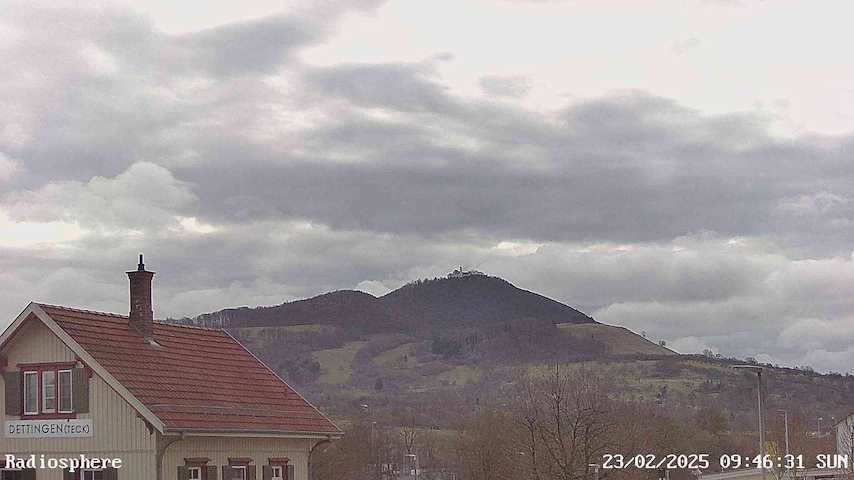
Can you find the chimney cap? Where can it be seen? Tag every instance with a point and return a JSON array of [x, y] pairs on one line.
[[140, 269]]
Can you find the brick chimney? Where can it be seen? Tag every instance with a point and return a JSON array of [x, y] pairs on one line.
[[141, 315]]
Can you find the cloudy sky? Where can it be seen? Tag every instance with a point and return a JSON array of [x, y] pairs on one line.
[[680, 167]]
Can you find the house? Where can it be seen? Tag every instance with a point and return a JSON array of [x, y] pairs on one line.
[[758, 474], [168, 401], [845, 436]]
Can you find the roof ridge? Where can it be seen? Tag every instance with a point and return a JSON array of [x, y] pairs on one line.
[[117, 315], [80, 310]]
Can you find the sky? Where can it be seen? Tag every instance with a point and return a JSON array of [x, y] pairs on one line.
[[679, 167]]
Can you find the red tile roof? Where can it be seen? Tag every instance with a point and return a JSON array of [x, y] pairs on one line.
[[196, 379]]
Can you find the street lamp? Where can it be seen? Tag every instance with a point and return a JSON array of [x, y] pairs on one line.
[[375, 453], [758, 371]]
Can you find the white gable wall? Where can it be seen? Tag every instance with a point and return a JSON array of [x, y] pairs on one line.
[[118, 432]]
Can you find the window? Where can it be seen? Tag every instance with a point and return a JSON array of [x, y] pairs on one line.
[[91, 475], [238, 472], [277, 472], [195, 473], [65, 391], [31, 393], [49, 391]]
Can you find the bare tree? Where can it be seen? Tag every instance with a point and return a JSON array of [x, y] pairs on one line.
[[569, 422], [409, 433], [349, 458], [527, 414], [487, 448]]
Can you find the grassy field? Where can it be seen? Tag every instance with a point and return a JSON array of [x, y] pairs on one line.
[[262, 331], [620, 340], [461, 375], [394, 358], [336, 364]]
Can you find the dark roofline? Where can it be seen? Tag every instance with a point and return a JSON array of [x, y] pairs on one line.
[[249, 432]]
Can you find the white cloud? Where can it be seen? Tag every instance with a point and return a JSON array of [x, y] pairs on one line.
[[681, 47], [373, 287], [193, 225], [144, 196], [819, 203]]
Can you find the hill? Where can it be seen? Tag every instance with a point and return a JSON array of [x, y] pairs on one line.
[[461, 341], [617, 340], [475, 300], [349, 309], [471, 300]]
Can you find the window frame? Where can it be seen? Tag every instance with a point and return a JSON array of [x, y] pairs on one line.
[[26, 390], [197, 469], [281, 463], [44, 389], [280, 476], [197, 463], [93, 471], [239, 468], [38, 370], [59, 385]]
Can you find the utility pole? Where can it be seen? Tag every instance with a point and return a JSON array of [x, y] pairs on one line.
[[786, 426], [758, 371], [375, 453]]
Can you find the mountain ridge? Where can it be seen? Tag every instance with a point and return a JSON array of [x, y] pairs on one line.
[[461, 301]]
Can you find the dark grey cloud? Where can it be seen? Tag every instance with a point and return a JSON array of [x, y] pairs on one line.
[[258, 46], [250, 177], [397, 86]]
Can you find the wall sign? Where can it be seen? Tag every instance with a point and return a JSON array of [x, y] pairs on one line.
[[48, 428]]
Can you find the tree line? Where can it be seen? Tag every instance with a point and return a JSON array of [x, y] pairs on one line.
[[553, 425]]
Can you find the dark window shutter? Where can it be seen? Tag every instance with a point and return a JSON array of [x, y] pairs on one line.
[[183, 472], [250, 472], [211, 473], [111, 474], [227, 473], [66, 475], [266, 472], [80, 390], [14, 397], [290, 475], [28, 475]]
